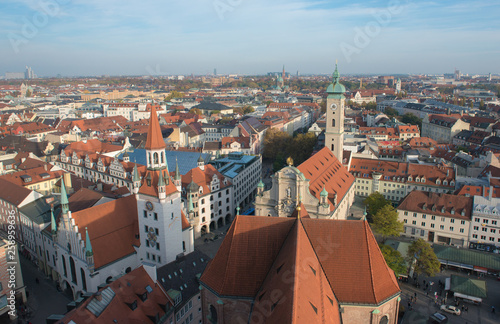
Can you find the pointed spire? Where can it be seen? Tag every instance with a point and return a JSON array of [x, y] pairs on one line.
[[64, 198], [88, 245], [177, 171], [324, 193], [336, 74], [154, 140], [161, 181], [53, 222], [135, 174], [364, 215]]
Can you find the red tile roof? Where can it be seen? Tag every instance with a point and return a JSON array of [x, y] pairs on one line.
[[112, 228], [185, 222], [346, 251], [83, 199], [154, 140], [478, 191], [325, 171], [13, 193], [437, 204], [128, 290], [203, 178]]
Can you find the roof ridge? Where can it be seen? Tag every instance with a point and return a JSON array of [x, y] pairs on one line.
[[365, 223], [229, 252]]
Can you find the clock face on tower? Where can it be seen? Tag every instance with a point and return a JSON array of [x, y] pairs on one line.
[[333, 107], [149, 205]]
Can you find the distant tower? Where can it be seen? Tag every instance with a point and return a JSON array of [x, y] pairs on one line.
[[215, 72], [335, 101], [283, 77], [398, 86]]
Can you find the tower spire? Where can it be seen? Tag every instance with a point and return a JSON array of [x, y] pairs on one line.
[[154, 140], [88, 245], [64, 198], [53, 222], [177, 173]]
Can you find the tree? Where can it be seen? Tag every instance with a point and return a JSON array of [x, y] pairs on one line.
[[371, 106], [248, 109], [425, 260], [174, 94], [394, 259], [385, 222], [275, 142], [374, 202], [323, 106], [195, 111], [391, 112], [410, 118]]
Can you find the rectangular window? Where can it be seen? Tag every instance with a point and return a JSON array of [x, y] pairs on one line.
[[414, 222], [452, 220], [414, 214], [483, 237], [158, 246], [155, 216], [146, 228], [462, 222], [406, 213], [432, 225], [145, 213], [441, 227], [424, 216], [405, 221], [451, 228], [433, 217]]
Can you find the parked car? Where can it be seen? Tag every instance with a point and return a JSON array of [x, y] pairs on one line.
[[450, 309], [438, 318]]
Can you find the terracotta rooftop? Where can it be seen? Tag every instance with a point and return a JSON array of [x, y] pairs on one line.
[[112, 228], [344, 252], [203, 178], [125, 291], [83, 199], [154, 140], [324, 170], [437, 204], [13, 193]]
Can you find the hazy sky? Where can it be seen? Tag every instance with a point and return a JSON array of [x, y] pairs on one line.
[[125, 37]]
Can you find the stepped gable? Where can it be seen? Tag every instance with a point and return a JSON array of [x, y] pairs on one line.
[[324, 170]]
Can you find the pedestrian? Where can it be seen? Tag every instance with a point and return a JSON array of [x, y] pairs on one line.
[[466, 309], [37, 281], [493, 309], [415, 294], [463, 308]]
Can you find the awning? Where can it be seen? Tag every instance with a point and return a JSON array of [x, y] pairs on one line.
[[480, 269], [476, 299]]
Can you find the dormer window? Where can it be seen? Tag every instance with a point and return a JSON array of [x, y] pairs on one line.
[[424, 207], [433, 207], [410, 178], [445, 182], [438, 182], [442, 209], [452, 211], [423, 179], [463, 212]]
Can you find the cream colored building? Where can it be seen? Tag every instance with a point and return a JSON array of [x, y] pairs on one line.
[[436, 218], [442, 128]]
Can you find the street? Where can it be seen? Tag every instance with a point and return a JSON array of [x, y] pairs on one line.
[[43, 297], [425, 304]]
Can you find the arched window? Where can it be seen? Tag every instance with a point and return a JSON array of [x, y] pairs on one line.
[[64, 266], [149, 158], [162, 157], [155, 158], [333, 122], [213, 314], [128, 270], [84, 281], [73, 269], [333, 147], [384, 320]]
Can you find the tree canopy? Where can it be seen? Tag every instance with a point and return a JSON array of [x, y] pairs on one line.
[[410, 118], [195, 111], [278, 146], [394, 259], [426, 260], [385, 222], [374, 202]]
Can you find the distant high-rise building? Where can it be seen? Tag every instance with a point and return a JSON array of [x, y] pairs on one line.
[[215, 71], [28, 73], [398, 86], [458, 74]]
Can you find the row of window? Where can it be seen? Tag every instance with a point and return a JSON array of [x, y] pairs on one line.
[[441, 227], [485, 221], [483, 237]]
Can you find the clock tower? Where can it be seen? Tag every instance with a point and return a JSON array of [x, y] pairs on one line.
[[335, 104]]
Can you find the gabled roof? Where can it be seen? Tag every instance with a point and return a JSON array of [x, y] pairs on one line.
[[324, 170], [345, 252], [154, 140], [437, 204], [114, 302], [112, 228], [83, 199], [203, 178], [149, 185]]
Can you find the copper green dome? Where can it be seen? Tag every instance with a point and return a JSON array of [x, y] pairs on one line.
[[336, 87]]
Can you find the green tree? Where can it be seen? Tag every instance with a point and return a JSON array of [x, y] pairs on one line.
[[410, 118], [323, 106], [173, 94], [195, 111], [248, 109], [394, 259], [423, 258], [385, 222], [301, 147], [275, 141], [371, 106], [391, 112], [374, 202]]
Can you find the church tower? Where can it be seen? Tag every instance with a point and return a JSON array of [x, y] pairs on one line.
[[335, 106], [155, 146]]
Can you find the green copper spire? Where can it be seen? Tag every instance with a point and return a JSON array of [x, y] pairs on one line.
[[88, 245], [64, 198], [336, 74], [135, 174], [161, 181], [53, 221], [177, 173], [190, 204], [324, 193], [364, 215], [261, 184]]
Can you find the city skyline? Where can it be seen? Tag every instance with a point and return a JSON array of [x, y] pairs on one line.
[[86, 38]]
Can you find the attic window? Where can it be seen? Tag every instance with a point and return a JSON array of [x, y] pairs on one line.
[[314, 308], [330, 300], [312, 269], [133, 305], [279, 268]]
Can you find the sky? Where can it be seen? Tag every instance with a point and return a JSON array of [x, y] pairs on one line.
[[151, 37]]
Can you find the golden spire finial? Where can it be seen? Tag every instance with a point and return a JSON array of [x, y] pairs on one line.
[[298, 206], [289, 161]]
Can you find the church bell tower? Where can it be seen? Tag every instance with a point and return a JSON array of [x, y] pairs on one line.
[[335, 106]]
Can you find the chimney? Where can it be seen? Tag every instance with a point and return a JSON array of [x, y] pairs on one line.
[[45, 167], [491, 193]]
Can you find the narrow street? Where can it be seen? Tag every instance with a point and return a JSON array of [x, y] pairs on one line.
[[43, 298]]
